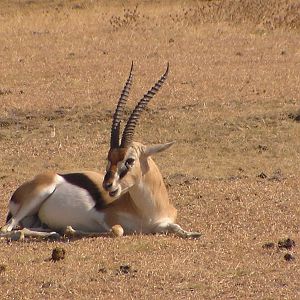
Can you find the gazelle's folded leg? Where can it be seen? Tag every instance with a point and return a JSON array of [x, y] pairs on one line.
[[175, 229], [72, 233], [28, 198]]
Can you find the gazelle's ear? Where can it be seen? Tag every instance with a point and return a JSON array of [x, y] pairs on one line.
[[153, 149]]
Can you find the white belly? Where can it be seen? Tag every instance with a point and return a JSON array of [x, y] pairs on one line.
[[71, 205]]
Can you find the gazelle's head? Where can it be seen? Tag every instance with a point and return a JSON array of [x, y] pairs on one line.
[[127, 160]]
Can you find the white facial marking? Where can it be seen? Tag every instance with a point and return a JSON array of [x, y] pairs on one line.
[[108, 165]]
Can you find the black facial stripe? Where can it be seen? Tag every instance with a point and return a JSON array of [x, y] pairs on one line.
[[83, 181], [123, 172], [108, 175]]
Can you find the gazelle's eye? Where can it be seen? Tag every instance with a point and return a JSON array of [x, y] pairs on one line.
[[129, 162]]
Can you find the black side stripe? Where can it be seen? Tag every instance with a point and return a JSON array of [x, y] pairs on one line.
[[83, 181], [9, 216], [123, 172]]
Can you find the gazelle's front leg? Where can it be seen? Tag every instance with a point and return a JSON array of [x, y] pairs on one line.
[[115, 231], [72, 233], [176, 229]]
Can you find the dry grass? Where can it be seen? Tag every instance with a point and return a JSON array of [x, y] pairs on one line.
[[231, 103]]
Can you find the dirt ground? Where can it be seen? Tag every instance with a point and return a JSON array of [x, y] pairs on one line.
[[231, 102]]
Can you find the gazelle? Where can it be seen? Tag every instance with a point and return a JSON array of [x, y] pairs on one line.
[[131, 194]]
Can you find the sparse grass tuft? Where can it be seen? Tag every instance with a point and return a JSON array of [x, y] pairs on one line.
[[129, 18], [268, 14]]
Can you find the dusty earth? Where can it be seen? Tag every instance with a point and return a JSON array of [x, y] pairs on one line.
[[232, 104]]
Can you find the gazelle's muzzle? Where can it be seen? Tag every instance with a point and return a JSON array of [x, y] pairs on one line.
[[108, 180], [109, 184]]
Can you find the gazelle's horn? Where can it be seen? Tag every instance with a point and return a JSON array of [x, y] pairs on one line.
[[135, 115], [115, 128]]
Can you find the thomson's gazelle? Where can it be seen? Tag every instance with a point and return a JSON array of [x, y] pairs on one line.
[[132, 192]]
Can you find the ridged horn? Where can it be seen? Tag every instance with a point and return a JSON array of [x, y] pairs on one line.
[[128, 132], [115, 128]]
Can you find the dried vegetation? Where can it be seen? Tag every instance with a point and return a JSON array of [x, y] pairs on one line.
[[232, 105]]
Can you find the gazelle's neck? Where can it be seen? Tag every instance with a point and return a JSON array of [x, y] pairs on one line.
[[150, 195]]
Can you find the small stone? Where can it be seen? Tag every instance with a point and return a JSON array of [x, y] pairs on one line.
[[58, 253], [262, 147], [286, 243], [268, 245], [77, 6], [126, 269], [117, 231], [262, 175], [69, 232], [289, 257], [46, 285], [3, 268], [295, 116], [103, 270]]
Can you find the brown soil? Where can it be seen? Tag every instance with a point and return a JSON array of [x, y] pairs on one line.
[[232, 104]]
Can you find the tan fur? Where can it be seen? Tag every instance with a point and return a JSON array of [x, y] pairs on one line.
[[123, 205], [132, 194], [30, 189], [154, 179], [146, 210]]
